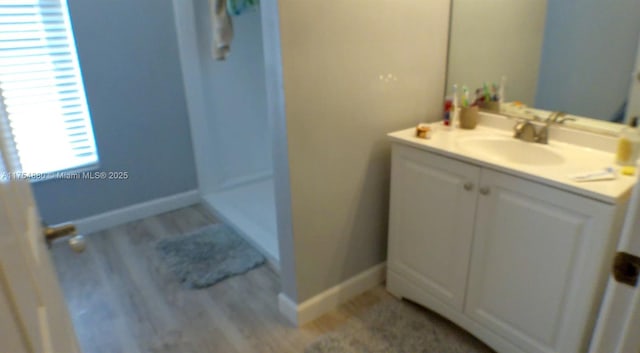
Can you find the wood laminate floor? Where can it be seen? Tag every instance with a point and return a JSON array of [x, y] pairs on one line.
[[123, 301]]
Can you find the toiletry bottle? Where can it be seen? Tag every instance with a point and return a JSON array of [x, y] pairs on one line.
[[448, 103], [629, 144]]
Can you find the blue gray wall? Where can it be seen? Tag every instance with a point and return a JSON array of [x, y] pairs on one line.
[[588, 55], [129, 57]]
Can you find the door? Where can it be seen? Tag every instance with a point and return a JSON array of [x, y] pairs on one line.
[[431, 222], [536, 263], [33, 314], [619, 319]]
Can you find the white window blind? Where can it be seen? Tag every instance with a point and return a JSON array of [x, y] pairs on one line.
[[43, 97]]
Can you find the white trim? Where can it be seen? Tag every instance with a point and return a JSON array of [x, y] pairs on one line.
[[269, 12], [288, 309], [630, 340], [187, 35], [246, 179], [135, 212], [330, 299], [616, 313]]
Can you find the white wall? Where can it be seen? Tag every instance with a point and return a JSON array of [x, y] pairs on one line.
[[237, 134], [492, 38], [352, 71], [588, 56]]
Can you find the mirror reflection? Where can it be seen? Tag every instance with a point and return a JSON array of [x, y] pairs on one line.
[[558, 55]]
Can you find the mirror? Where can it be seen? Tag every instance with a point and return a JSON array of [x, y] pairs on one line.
[[558, 55]]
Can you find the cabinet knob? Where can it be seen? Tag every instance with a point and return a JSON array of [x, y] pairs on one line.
[[485, 190], [468, 186]]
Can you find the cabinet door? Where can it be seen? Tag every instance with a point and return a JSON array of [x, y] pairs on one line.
[[431, 221], [537, 257]]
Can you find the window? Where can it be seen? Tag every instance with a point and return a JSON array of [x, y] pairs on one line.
[[43, 98]]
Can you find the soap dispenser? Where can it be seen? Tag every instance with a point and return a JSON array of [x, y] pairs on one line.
[[629, 144]]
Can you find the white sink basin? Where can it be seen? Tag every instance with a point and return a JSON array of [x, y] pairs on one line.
[[511, 150]]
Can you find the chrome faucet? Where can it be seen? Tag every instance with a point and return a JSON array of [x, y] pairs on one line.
[[526, 131]]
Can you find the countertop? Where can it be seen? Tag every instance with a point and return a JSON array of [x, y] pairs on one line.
[[448, 142]]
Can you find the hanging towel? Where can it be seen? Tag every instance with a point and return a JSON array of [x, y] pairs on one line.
[[222, 29], [237, 7]]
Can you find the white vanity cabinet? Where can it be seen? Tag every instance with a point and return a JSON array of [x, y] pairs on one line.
[[432, 214], [519, 264]]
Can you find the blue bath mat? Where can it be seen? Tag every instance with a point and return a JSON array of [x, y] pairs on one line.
[[207, 256]]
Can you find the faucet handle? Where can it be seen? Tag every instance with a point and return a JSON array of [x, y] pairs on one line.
[[525, 130], [518, 128], [561, 120], [554, 117]]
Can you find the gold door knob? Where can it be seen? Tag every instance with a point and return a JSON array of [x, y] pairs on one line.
[[626, 268], [76, 242]]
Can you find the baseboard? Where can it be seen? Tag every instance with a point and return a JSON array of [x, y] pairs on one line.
[[135, 212], [288, 309], [243, 180], [330, 299]]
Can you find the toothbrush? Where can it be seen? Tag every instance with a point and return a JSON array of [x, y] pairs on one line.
[[503, 84], [465, 98], [487, 95], [494, 92], [455, 96]]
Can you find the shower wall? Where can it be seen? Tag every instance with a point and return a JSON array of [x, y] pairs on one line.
[[235, 103], [230, 127]]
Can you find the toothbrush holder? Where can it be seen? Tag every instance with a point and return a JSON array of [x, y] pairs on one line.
[[468, 117]]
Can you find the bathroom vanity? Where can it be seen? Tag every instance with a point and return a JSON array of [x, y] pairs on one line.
[[491, 233]]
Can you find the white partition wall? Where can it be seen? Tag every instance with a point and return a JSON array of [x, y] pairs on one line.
[[351, 72]]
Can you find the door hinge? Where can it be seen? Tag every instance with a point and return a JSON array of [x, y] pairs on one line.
[[626, 268]]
